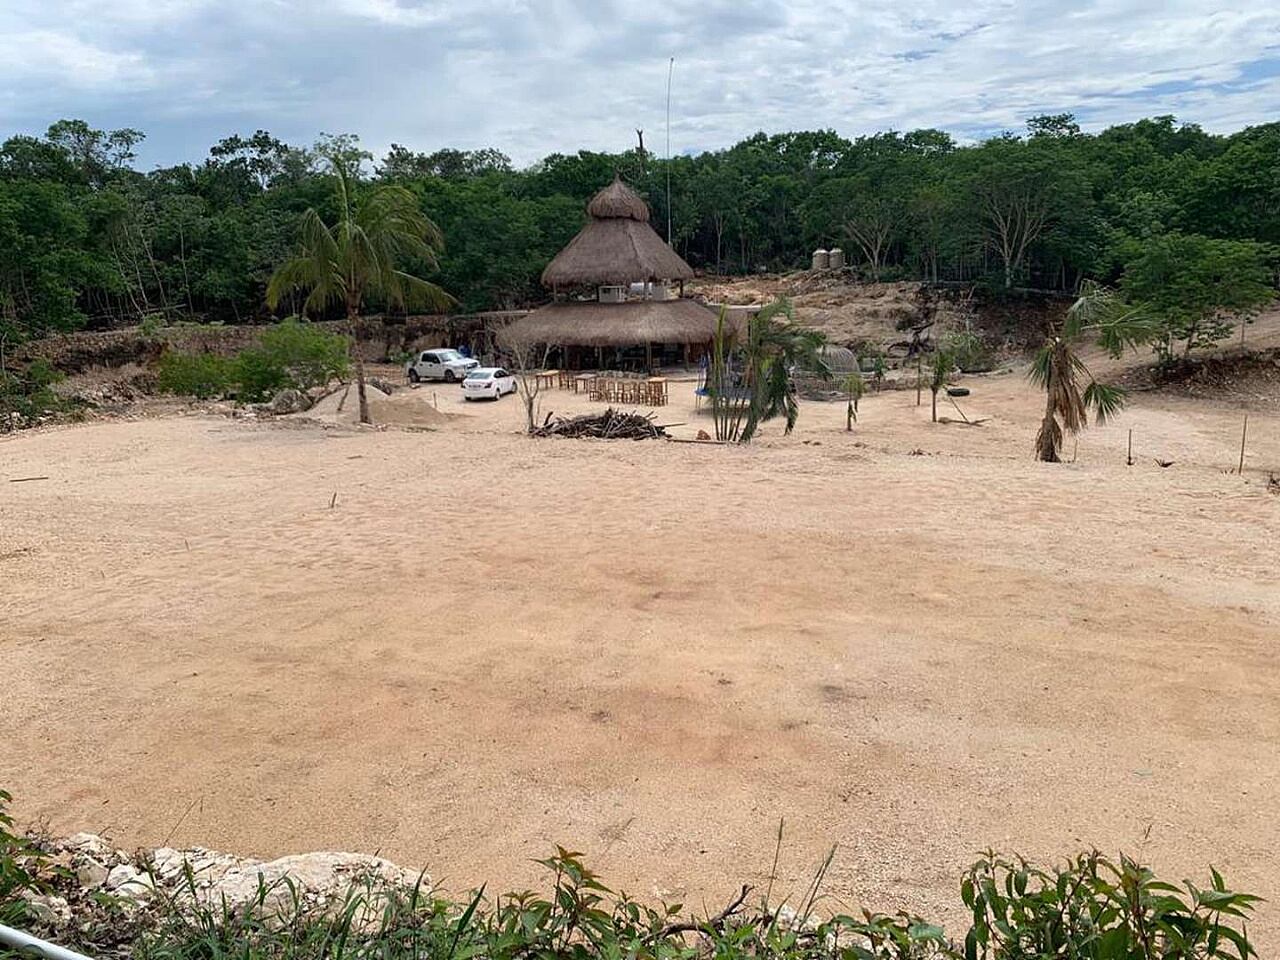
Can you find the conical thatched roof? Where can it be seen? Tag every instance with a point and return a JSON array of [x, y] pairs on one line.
[[618, 201], [617, 246], [592, 324]]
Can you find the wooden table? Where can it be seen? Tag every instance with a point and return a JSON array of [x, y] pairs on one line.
[[547, 378]]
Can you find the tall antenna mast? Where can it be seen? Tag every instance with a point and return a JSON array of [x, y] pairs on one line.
[[670, 68]]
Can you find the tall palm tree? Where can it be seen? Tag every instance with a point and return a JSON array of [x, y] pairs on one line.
[[1097, 312], [360, 255]]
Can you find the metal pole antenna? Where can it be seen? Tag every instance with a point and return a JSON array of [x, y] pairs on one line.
[[670, 68]]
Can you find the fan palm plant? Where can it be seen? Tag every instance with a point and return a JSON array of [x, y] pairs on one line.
[[360, 255], [1098, 312]]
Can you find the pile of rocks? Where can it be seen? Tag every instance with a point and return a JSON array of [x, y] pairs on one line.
[[85, 866]]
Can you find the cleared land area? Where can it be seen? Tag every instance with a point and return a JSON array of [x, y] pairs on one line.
[[911, 641]]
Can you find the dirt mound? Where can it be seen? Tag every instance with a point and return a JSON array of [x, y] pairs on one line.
[[409, 409], [1233, 375], [849, 312]]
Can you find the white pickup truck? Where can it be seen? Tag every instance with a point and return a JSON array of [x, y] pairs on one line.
[[447, 365]]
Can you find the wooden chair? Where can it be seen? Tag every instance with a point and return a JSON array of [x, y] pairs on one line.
[[656, 388]]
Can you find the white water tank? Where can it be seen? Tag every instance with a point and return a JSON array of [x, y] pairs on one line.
[[821, 260], [836, 258]]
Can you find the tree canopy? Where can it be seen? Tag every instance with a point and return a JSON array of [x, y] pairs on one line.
[[1161, 210]]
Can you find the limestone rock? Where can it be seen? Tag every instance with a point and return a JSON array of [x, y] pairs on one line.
[[91, 845], [49, 910], [127, 880], [91, 874], [289, 401], [317, 877]]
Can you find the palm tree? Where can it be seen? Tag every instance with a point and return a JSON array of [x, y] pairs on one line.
[[854, 388], [359, 255], [766, 351], [1057, 367], [941, 367]]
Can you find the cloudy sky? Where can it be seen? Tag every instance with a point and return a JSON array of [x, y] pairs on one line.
[[536, 76]]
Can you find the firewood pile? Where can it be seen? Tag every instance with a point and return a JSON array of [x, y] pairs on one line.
[[610, 425]]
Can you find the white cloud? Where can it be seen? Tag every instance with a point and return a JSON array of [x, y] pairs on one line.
[[45, 56], [536, 76]]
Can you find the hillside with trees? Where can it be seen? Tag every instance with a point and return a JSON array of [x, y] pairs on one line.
[[1173, 215]]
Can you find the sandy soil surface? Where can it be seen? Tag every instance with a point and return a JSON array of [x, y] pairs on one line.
[[458, 647]]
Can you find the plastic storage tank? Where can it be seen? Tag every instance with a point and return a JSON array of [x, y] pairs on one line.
[[836, 258], [821, 260]]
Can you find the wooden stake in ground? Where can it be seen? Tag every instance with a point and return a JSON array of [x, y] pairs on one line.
[[919, 377], [1244, 435], [1130, 460]]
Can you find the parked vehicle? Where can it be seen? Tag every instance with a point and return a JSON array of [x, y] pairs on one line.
[[447, 365], [488, 382]]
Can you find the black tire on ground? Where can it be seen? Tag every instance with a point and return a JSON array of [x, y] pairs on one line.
[[413, 376], [957, 391]]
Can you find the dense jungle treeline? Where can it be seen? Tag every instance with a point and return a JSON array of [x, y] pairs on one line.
[[87, 240]]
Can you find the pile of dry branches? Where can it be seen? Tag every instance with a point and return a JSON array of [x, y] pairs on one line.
[[610, 425]]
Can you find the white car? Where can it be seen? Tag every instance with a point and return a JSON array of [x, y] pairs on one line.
[[447, 365], [488, 382]]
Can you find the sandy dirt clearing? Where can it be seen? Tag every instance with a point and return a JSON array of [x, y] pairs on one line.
[[910, 641]]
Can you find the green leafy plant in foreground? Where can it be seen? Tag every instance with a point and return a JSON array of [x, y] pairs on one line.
[[1098, 909], [1089, 908], [20, 866]]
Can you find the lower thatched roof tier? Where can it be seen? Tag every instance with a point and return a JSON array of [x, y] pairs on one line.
[[593, 324], [615, 251]]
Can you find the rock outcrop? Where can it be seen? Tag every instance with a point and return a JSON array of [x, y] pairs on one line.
[[87, 867]]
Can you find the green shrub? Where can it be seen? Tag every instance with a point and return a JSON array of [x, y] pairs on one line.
[[151, 325], [307, 355], [969, 352], [1094, 908], [290, 354], [201, 375], [257, 375], [29, 395]]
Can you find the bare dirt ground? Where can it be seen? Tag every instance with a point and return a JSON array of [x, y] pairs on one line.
[[911, 641]]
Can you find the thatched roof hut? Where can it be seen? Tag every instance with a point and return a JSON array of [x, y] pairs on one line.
[[587, 323], [615, 249], [617, 246]]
